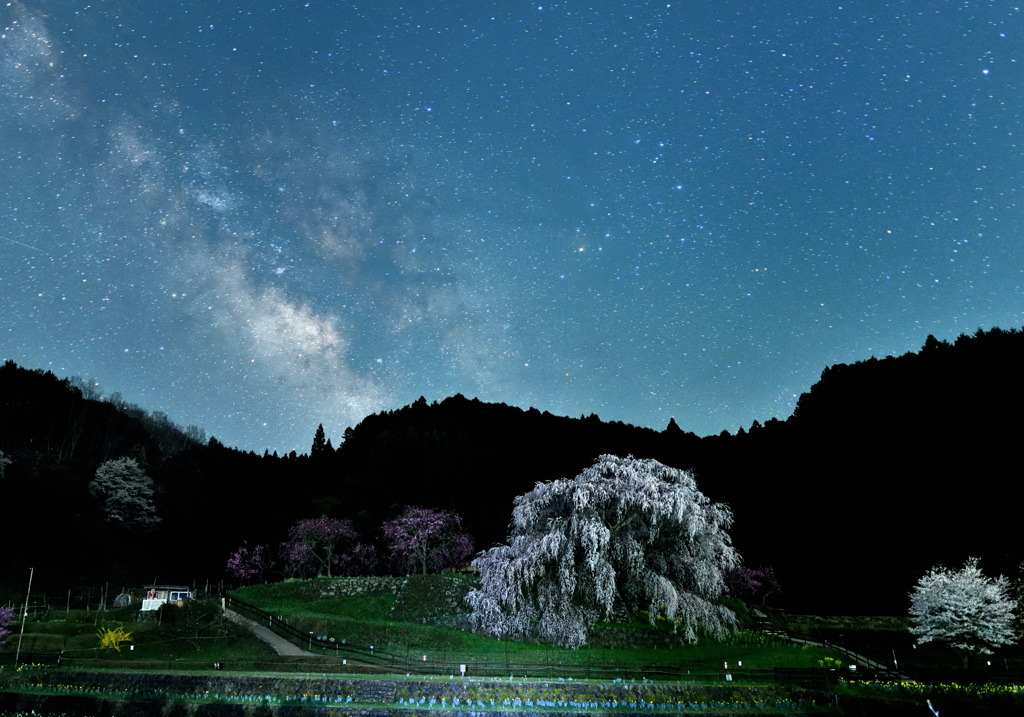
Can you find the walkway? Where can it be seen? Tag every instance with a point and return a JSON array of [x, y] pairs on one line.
[[280, 645], [861, 660]]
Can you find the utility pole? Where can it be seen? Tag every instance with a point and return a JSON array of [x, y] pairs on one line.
[[24, 614]]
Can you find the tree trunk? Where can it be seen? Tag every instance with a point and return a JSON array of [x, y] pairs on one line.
[[625, 605]]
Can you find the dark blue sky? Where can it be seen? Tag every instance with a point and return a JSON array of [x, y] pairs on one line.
[[261, 216]]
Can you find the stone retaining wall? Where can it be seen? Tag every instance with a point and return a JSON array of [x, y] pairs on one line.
[[356, 587]]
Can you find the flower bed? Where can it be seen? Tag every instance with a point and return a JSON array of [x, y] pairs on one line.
[[326, 694]]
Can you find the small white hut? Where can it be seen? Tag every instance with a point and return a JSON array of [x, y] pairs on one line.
[[157, 595]]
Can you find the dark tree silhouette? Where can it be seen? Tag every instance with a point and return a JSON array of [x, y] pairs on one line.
[[319, 443]]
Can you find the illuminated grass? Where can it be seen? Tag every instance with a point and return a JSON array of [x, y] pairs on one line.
[[364, 621]]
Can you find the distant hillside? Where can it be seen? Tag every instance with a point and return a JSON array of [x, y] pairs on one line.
[[885, 468]]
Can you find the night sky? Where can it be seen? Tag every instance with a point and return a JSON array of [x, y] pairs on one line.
[[259, 216]]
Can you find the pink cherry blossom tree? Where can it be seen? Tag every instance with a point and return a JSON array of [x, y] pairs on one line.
[[422, 538], [315, 546], [6, 615], [752, 583], [360, 560], [249, 565]]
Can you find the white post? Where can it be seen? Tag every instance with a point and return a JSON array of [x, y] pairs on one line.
[[24, 614]]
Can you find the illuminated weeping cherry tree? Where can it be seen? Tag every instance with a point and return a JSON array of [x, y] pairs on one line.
[[627, 531]]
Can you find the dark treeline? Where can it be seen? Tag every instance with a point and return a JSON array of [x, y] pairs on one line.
[[885, 468]]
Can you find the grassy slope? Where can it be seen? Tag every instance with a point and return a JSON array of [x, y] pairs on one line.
[[75, 633], [425, 609]]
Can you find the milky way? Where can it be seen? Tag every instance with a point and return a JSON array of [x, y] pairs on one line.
[[257, 217]]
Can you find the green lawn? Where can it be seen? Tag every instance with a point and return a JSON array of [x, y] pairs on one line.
[[427, 629]]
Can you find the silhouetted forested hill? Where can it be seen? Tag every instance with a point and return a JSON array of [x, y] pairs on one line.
[[206, 495], [886, 468], [890, 466], [475, 457]]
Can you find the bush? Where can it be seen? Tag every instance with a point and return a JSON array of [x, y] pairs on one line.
[[195, 621], [113, 639]]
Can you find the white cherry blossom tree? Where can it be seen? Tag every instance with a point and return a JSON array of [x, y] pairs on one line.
[[963, 608], [625, 531], [127, 494]]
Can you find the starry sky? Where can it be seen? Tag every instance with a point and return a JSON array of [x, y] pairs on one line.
[[260, 216]]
